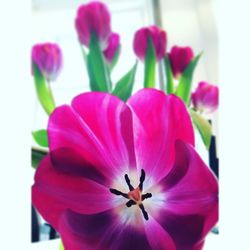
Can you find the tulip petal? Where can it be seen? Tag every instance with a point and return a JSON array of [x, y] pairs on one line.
[[191, 187], [55, 191], [97, 128], [110, 120], [100, 231], [158, 238], [158, 121], [185, 230]]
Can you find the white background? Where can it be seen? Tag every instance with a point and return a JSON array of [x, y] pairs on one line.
[[15, 102]]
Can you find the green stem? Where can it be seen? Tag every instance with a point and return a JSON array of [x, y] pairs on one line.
[[150, 65], [169, 76], [43, 90]]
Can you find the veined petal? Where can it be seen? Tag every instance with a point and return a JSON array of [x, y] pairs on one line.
[[159, 120], [185, 230], [98, 128], [191, 188], [110, 119], [100, 231], [158, 237], [55, 191], [196, 187]]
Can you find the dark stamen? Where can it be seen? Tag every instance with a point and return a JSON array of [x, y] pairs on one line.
[[130, 203], [146, 196], [117, 192], [131, 188], [145, 214], [142, 179], [138, 200]]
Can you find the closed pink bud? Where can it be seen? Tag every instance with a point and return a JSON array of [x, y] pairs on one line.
[[159, 39], [206, 97], [93, 17], [179, 58], [113, 46], [48, 58]]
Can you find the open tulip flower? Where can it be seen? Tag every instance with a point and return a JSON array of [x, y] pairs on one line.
[[179, 58], [93, 17], [158, 37], [113, 46], [206, 97], [125, 176], [48, 58]]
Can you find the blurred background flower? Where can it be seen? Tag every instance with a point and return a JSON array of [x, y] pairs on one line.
[[141, 41], [206, 97], [113, 47], [93, 17], [179, 58], [48, 58]]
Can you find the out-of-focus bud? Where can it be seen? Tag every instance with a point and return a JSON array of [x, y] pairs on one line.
[[113, 46], [158, 37], [206, 97], [93, 17], [48, 58], [179, 58]]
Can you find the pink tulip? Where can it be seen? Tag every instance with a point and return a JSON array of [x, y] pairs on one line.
[[93, 17], [179, 58], [206, 97], [48, 58], [125, 175], [113, 45], [159, 39]]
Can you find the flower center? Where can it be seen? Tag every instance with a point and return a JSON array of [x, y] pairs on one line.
[[135, 195]]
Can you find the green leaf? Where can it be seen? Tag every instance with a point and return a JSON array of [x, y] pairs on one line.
[[169, 76], [61, 246], [43, 90], [185, 83], [41, 137], [149, 67], [203, 126], [98, 71], [116, 57], [36, 156], [124, 86]]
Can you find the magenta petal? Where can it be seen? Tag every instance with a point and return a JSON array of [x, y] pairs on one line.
[[185, 230], [54, 191], [84, 231], [66, 129], [196, 188], [199, 246], [191, 187], [71, 161], [110, 120], [159, 120], [99, 231], [98, 129], [158, 237]]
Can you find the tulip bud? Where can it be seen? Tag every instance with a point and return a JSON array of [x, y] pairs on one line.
[[113, 46], [206, 97], [48, 59], [159, 40], [93, 17], [179, 58]]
